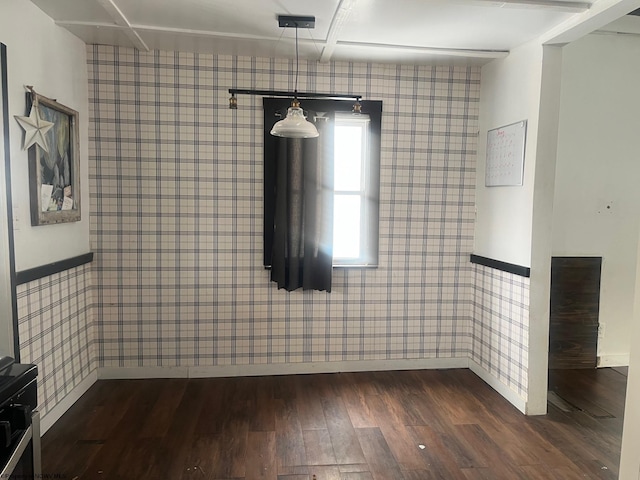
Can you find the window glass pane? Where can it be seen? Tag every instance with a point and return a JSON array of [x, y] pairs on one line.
[[347, 157], [346, 226]]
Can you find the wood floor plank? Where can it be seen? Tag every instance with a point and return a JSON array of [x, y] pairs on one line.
[[159, 418], [345, 443], [354, 468], [438, 457], [356, 476], [325, 472], [484, 473], [203, 458], [562, 429], [494, 403], [105, 418], [539, 446], [126, 430], [295, 470], [262, 405], [318, 447], [382, 464], [354, 400], [172, 457], [71, 459], [261, 456], [308, 402], [600, 385], [401, 443], [486, 448], [216, 396], [513, 446], [289, 440], [545, 472]]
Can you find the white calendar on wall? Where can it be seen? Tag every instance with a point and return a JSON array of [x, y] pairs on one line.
[[505, 155]]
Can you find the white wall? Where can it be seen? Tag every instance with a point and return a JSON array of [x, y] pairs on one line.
[[630, 459], [541, 239], [597, 199], [54, 62], [509, 92]]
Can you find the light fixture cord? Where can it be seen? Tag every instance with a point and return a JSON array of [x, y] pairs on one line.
[[297, 64]]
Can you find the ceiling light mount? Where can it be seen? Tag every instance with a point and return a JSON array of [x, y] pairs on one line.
[[296, 21], [295, 124]]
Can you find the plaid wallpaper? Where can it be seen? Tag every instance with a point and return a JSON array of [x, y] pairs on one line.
[[176, 205], [55, 325], [500, 326]]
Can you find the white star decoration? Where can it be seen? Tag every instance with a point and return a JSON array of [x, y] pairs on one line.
[[34, 129]]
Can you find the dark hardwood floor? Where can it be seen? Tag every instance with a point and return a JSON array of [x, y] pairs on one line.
[[410, 425]]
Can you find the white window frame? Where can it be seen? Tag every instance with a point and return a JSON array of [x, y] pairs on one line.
[[367, 257]]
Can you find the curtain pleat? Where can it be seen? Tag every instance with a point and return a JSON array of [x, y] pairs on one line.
[[302, 254]]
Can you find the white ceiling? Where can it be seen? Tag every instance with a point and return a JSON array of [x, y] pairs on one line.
[[397, 31]]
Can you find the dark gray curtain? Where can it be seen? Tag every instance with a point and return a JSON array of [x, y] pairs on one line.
[[302, 253]]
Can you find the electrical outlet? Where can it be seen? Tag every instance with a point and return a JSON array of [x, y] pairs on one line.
[[601, 329]]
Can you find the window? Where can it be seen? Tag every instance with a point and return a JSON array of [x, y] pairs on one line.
[[352, 209], [356, 178]]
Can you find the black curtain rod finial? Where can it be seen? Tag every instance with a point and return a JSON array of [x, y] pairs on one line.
[[233, 102]]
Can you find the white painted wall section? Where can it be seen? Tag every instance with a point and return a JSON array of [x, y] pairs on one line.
[[54, 61], [597, 199], [541, 240], [509, 92], [630, 458]]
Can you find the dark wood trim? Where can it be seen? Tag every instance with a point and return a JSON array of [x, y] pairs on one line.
[[7, 167], [500, 265], [52, 268]]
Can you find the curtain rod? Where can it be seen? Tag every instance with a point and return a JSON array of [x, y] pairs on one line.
[[276, 93]]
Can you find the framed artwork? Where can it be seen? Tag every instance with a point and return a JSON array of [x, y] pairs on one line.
[[54, 172]]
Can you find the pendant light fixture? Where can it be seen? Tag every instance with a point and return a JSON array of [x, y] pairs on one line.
[[295, 125]]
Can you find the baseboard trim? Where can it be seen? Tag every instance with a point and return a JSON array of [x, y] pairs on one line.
[[280, 368], [613, 361], [124, 373], [53, 415], [510, 395]]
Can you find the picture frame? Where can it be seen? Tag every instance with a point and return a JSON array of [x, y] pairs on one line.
[[54, 176]]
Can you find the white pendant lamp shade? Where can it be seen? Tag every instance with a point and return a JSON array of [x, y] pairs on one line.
[[295, 125]]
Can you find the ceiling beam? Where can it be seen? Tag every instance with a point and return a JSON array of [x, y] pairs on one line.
[[454, 52], [337, 24], [559, 5], [179, 31], [118, 17]]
